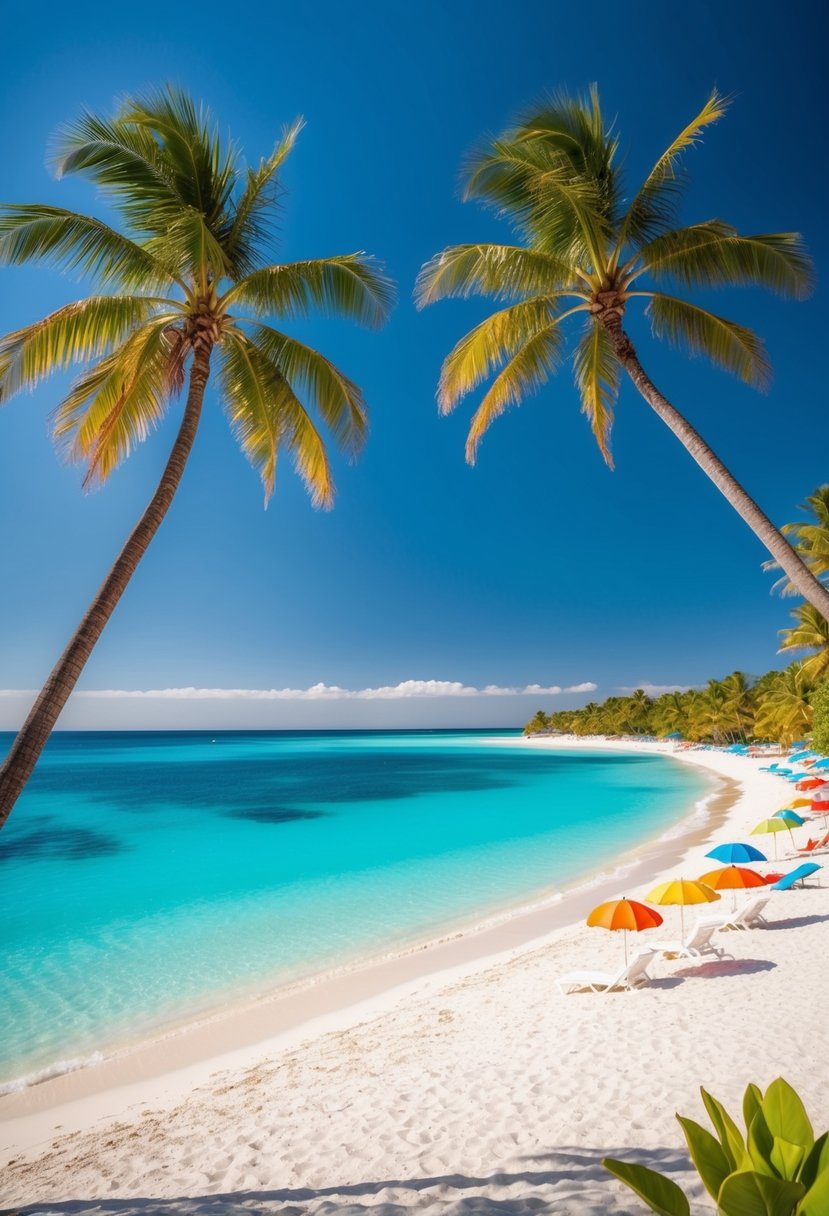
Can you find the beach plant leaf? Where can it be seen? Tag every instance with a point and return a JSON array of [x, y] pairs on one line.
[[661, 1194], [786, 1116], [748, 1193], [733, 1144], [816, 1200], [817, 1161], [707, 1154], [761, 1145], [752, 1102]]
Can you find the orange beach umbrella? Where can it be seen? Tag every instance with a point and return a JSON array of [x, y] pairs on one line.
[[682, 891], [625, 914], [732, 878]]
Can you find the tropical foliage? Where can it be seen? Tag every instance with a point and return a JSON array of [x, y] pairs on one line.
[[776, 708], [587, 249], [811, 629], [820, 722], [775, 1167]]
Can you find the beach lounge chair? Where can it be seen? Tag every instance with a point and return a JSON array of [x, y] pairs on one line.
[[812, 846], [633, 975], [697, 942], [749, 916], [798, 875]]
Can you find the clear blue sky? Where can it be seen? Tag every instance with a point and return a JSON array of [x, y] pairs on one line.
[[538, 566]]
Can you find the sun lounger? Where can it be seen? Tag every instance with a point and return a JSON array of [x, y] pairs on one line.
[[799, 875], [633, 975], [812, 846], [746, 917], [697, 942]]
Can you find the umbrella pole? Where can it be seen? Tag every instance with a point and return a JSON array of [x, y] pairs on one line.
[[625, 935], [682, 924]]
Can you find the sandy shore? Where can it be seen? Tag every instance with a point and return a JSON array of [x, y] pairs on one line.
[[455, 1078]]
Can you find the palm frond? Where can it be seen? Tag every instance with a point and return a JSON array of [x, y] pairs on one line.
[[338, 400], [76, 333], [526, 372], [502, 272], [33, 231], [352, 285], [654, 207], [714, 254], [810, 632], [730, 346], [597, 371], [117, 403], [190, 246], [125, 162], [576, 127], [537, 187], [265, 415], [811, 540], [491, 344], [251, 229], [202, 171]]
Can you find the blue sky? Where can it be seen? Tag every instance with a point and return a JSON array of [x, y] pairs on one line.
[[538, 566]]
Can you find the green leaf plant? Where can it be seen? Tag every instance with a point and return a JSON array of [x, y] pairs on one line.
[[776, 1167]]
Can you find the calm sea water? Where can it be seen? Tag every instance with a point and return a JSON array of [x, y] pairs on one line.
[[145, 877]]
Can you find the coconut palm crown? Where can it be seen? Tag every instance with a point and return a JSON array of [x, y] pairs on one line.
[[589, 253], [186, 276]]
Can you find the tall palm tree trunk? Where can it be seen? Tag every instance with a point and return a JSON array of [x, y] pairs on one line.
[[32, 736], [780, 549]]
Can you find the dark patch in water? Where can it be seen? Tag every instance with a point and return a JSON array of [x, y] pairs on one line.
[[58, 844], [264, 815]]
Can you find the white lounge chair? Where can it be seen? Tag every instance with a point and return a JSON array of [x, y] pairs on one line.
[[633, 975], [696, 943], [746, 917]]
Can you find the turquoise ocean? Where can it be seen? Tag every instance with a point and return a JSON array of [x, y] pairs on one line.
[[149, 877]]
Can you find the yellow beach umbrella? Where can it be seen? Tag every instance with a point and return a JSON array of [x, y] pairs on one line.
[[766, 826], [798, 802], [682, 891]]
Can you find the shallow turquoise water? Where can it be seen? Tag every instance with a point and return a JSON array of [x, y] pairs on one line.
[[144, 877]]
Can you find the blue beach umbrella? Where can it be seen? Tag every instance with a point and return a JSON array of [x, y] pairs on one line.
[[736, 854], [790, 817]]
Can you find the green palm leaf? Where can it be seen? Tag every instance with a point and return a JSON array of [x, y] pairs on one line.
[[539, 188], [811, 632], [351, 285], [76, 333], [597, 373], [252, 226], [336, 398], [727, 344], [116, 404], [654, 206], [528, 369], [265, 414], [501, 271], [32, 232], [489, 345], [713, 254]]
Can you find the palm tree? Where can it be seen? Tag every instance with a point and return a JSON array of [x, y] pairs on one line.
[[187, 275], [785, 712], [585, 252], [810, 633], [811, 540]]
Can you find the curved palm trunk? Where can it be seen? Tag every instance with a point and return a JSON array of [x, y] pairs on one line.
[[780, 549], [32, 736]]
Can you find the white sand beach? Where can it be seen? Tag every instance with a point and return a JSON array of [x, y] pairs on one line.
[[455, 1079]]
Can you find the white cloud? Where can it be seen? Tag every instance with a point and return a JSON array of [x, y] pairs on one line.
[[654, 690], [321, 692]]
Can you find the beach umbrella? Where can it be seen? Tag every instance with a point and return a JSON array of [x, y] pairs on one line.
[[732, 878], [790, 816], [682, 891], [770, 825], [733, 854], [625, 914], [811, 783], [798, 802]]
